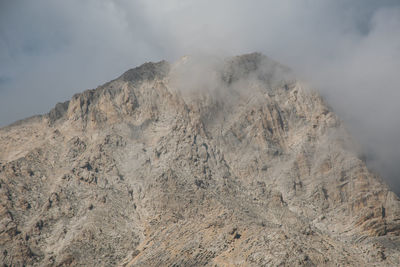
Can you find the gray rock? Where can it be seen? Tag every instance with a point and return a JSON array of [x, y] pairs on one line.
[[255, 171]]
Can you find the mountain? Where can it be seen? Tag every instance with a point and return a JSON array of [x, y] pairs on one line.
[[228, 163]]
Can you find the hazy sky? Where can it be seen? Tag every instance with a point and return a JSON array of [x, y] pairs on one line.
[[350, 50]]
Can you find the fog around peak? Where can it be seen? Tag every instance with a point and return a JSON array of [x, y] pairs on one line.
[[349, 50]]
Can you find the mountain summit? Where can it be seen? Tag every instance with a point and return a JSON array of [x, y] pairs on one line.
[[218, 163]]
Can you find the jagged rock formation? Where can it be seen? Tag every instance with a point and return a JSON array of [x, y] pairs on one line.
[[254, 170]]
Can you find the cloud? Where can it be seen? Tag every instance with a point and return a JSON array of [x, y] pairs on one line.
[[350, 50]]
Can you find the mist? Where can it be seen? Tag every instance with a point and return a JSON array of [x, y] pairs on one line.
[[348, 50]]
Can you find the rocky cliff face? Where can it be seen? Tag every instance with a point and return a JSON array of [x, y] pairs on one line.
[[253, 169]]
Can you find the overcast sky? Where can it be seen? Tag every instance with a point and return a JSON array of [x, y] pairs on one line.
[[349, 50]]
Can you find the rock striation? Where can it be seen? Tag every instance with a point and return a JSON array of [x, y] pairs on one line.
[[251, 169]]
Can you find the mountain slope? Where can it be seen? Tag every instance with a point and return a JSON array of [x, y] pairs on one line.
[[252, 168]]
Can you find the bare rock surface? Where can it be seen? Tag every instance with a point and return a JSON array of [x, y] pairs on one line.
[[251, 169]]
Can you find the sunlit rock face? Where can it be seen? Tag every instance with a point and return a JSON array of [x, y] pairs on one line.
[[222, 163]]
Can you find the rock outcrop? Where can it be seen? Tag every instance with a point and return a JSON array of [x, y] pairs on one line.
[[255, 170]]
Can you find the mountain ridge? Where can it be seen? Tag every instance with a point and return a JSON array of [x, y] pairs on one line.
[[249, 168]]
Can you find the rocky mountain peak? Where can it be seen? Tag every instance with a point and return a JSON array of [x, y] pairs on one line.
[[147, 72], [217, 163]]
